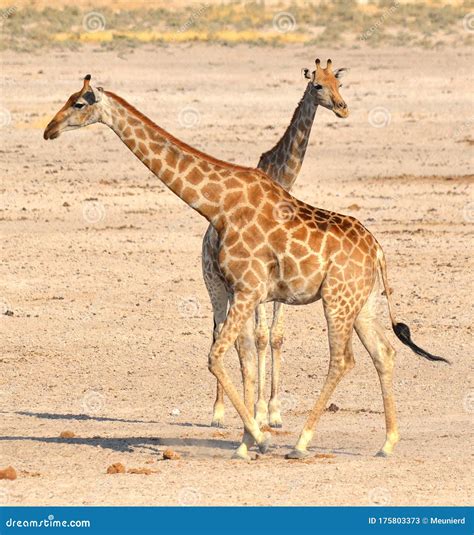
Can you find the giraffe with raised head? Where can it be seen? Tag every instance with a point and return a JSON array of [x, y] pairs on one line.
[[314, 254], [282, 163]]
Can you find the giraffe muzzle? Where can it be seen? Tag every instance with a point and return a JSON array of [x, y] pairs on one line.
[[341, 110], [51, 131]]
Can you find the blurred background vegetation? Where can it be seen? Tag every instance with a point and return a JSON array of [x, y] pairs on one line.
[[32, 25]]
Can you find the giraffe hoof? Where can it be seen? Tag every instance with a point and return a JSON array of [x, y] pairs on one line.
[[265, 445], [297, 454], [240, 456]]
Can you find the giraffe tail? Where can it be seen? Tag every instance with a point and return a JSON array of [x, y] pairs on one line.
[[401, 330]]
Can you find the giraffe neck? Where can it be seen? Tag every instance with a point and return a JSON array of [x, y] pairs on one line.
[[283, 162], [192, 175]]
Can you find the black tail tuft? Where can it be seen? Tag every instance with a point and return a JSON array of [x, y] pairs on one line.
[[403, 333]]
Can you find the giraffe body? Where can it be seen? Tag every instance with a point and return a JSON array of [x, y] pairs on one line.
[[282, 163], [309, 254]]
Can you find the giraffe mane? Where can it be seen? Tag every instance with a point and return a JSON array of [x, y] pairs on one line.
[[178, 142]]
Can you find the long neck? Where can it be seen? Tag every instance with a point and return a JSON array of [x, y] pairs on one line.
[[283, 162], [192, 175]]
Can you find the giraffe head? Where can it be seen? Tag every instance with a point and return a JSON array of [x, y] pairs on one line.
[[326, 84], [81, 109]]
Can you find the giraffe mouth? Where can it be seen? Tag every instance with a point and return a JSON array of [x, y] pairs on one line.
[[341, 112], [51, 131]]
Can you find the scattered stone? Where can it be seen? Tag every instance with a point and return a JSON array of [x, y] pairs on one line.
[[67, 434], [175, 412], [333, 408], [140, 471], [66, 204], [354, 207], [170, 455], [116, 468], [8, 312], [8, 473]]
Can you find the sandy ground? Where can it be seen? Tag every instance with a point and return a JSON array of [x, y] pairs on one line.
[[111, 325]]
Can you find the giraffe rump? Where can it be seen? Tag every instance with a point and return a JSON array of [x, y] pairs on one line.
[[402, 332]]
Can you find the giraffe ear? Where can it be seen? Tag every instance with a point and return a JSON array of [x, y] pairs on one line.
[[340, 73], [306, 73]]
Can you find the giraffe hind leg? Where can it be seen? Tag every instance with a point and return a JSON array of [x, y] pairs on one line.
[[276, 341], [261, 341], [373, 338], [340, 363]]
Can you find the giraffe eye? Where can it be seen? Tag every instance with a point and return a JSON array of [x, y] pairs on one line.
[[318, 87], [78, 105]]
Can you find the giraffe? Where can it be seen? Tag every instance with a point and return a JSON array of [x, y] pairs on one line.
[[282, 163], [313, 254]]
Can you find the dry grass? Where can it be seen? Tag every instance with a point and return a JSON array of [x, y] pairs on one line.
[[339, 23]]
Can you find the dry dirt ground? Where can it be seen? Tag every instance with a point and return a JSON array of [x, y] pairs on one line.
[[111, 321]]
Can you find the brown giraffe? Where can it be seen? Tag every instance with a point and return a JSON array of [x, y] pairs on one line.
[[282, 163], [311, 254]]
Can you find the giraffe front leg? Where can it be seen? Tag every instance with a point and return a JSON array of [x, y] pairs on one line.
[[240, 311], [276, 342], [219, 408], [261, 341]]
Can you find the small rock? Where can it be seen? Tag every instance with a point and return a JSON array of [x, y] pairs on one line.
[[66, 204], [67, 434], [170, 455], [333, 408], [116, 468], [175, 412], [354, 207], [8, 473], [140, 471], [8, 312]]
